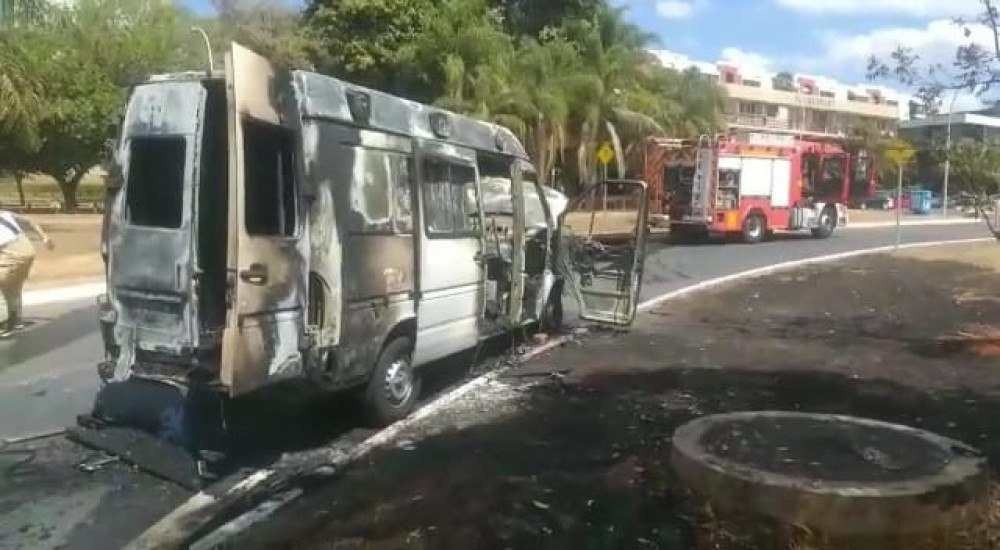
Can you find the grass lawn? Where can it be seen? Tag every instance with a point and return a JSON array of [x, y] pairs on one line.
[[42, 189]]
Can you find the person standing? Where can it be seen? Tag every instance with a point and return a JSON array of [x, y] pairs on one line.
[[16, 256]]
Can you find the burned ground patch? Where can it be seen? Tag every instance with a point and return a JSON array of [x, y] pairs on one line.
[[584, 462]]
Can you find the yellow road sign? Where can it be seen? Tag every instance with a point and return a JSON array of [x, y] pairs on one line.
[[900, 152], [605, 153]]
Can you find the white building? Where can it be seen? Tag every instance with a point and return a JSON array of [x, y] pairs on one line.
[[804, 105]]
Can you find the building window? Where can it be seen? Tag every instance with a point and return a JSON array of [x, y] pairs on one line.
[[155, 193], [451, 201], [772, 111], [752, 83]]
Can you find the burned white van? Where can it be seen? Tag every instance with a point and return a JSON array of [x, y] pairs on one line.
[[271, 226]]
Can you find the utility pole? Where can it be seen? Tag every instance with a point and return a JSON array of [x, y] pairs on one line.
[[947, 157]]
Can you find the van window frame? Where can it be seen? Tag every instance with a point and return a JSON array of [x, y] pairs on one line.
[[393, 226], [424, 218], [126, 214], [295, 142]]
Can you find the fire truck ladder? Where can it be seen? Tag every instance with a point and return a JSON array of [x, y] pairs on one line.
[[700, 193]]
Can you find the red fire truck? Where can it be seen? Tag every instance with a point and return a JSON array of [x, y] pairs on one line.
[[754, 184]]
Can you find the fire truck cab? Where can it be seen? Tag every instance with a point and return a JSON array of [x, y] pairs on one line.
[[749, 186]]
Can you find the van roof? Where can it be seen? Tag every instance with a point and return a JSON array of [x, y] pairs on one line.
[[326, 97]]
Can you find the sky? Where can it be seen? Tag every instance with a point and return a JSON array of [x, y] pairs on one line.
[[831, 38]]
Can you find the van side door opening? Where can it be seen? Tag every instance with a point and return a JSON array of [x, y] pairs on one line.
[[212, 211]]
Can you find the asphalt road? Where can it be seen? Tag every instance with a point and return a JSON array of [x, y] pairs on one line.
[[47, 373]]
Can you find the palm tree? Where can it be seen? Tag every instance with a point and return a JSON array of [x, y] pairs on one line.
[[614, 52]]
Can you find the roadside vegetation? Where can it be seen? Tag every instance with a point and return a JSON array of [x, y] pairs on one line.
[[565, 75], [974, 69]]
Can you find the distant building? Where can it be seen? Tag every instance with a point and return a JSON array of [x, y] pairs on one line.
[[803, 105], [929, 134], [932, 130]]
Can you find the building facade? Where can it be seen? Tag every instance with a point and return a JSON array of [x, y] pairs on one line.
[[801, 105], [929, 134]]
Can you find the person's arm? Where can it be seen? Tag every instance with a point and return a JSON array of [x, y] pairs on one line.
[[27, 222]]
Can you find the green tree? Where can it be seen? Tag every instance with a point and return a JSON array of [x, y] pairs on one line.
[[275, 32], [531, 17], [456, 51], [80, 59], [784, 81], [975, 167], [614, 52], [361, 40]]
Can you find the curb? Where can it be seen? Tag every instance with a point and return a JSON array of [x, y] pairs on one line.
[[45, 296]]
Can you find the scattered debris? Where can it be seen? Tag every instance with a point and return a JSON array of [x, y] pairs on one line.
[[540, 505], [97, 464]]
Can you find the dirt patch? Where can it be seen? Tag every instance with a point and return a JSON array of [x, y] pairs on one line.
[[76, 256]]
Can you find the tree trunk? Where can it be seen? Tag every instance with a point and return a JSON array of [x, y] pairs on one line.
[[989, 222], [68, 187], [19, 182], [541, 151]]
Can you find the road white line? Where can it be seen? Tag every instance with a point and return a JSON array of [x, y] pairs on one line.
[[767, 270], [47, 296]]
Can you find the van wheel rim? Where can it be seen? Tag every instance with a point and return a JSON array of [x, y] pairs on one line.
[[398, 382], [754, 227]]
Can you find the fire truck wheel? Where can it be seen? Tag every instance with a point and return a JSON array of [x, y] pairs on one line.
[[394, 387], [827, 223], [754, 229]]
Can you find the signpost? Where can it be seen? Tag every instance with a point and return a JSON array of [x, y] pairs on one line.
[[605, 154], [900, 153]]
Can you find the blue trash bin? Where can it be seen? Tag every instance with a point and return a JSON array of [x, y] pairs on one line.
[[920, 201]]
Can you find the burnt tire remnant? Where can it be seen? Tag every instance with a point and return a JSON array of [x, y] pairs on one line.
[[842, 475]]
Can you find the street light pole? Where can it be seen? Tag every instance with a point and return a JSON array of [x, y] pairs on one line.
[[899, 206], [947, 157], [208, 48]]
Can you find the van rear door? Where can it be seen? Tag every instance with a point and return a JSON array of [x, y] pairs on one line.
[[602, 250], [267, 266], [150, 234]]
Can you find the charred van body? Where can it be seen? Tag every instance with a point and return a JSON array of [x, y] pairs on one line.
[[270, 226]]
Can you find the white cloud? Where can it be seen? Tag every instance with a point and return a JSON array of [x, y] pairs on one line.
[[675, 9], [913, 8], [751, 63], [935, 44]]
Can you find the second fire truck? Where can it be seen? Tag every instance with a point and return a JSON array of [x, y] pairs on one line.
[[753, 185]]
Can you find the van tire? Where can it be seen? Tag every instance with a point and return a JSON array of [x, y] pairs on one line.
[[827, 223], [392, 393], [754, 229]]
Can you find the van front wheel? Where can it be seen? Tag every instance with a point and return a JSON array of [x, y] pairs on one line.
[[394, 386]]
